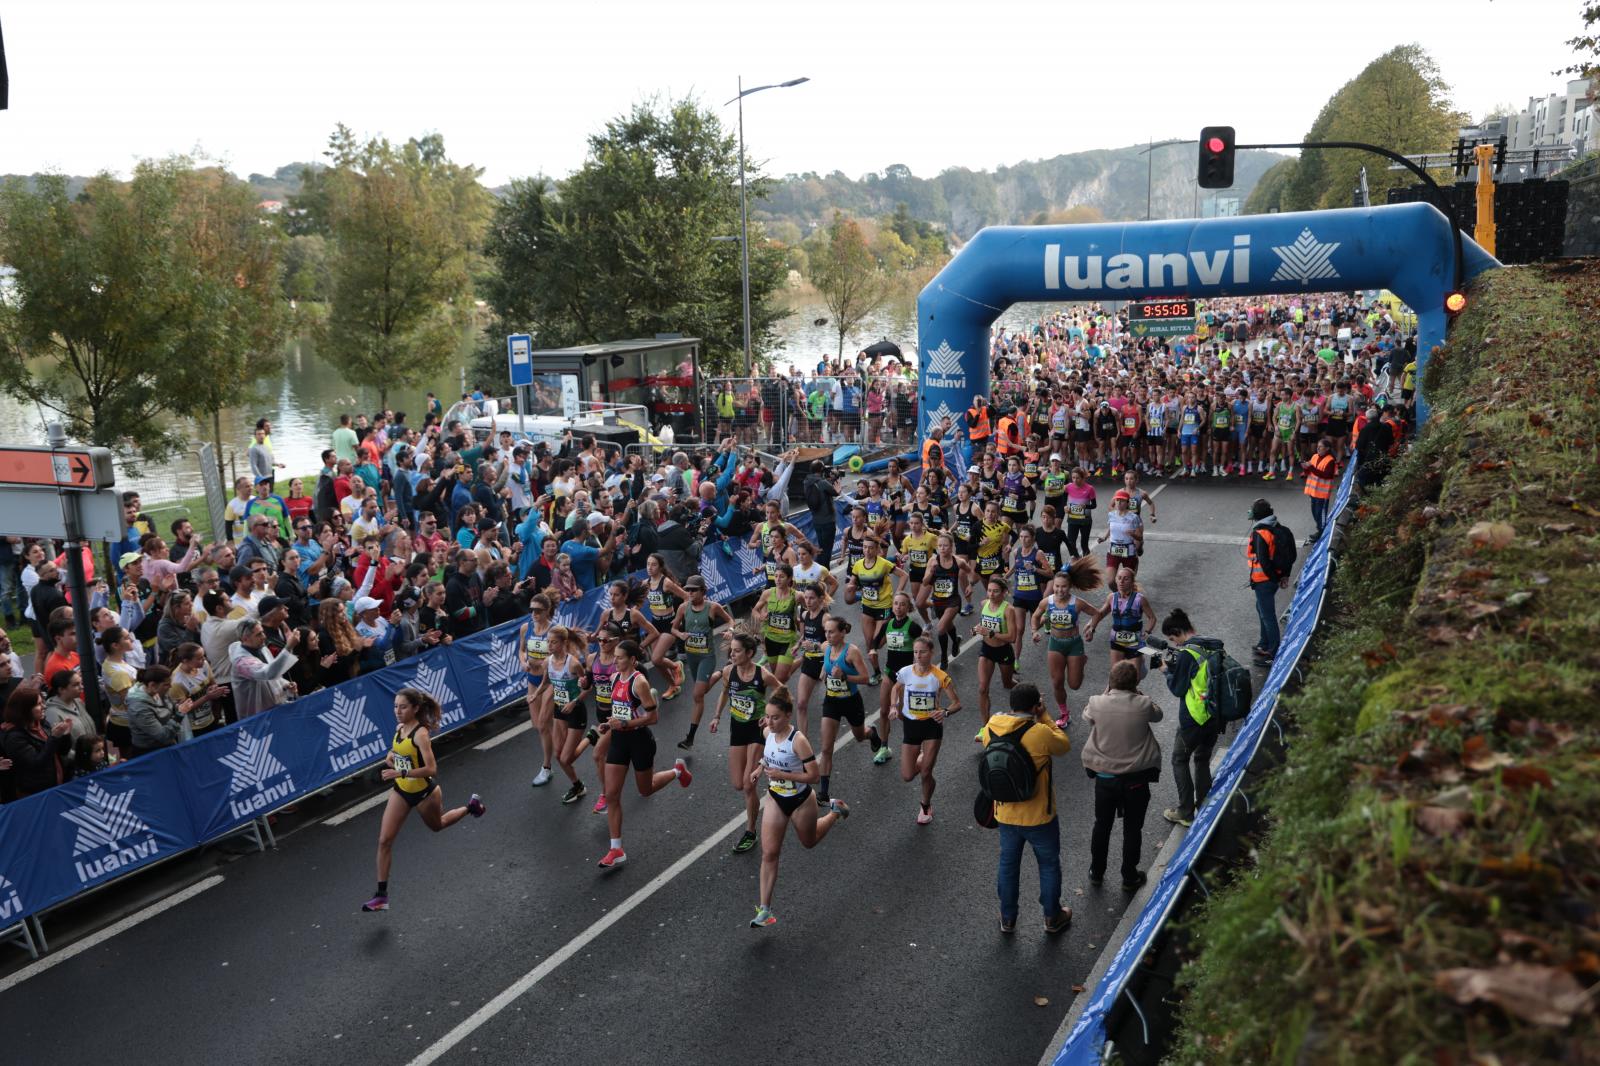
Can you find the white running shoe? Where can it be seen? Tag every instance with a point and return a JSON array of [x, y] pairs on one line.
[[543, 777]]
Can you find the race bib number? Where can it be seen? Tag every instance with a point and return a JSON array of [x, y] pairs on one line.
[[837, 686], [1027, 581], [388, 656], [918, 556], [1061, 622], [943, 588], [1189, 418], [742, 705], [1077, 510], [990, 623], [538, 647], [782, 621], [963, 530], [1011, 501], [698, 643], [566, 690], [988, 564], [403, 763], [1125, 636], [621, 713], [896, 640], [1122, 550], [920, 703]]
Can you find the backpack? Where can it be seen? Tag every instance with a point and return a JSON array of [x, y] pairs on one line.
[[1229, 690], [1284, 553], [1006, 773]]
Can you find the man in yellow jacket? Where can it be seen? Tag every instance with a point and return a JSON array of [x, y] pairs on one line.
[[1032, 821]]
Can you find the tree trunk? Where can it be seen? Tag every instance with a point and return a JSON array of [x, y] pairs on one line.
[[383, 397]]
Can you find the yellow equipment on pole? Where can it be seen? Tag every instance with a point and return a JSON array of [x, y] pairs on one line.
[[1483, 233]]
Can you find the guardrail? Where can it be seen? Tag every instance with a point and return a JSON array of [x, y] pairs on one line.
[[1086, 1042], [84, 834]]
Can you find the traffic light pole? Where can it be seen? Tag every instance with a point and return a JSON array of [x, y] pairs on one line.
[[1439, 200]]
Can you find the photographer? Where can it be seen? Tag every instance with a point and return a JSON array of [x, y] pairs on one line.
[[821, 489], [1197, 728]]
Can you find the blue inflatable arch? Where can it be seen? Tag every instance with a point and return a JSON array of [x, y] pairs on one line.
[[1405, 248]]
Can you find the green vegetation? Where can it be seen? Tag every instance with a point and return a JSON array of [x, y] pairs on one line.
[[404, 223], [1398, 101], [850, 280], [634, 244], [137, 301], [1427, 889]]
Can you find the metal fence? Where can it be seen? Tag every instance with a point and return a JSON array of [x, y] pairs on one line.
[[812, 410]]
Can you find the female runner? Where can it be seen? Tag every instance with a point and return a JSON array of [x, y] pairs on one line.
[[998, 648], [916, 548], [776, 612], [565, 672], [855, 536], [696, 619], [813, 634], [1080, 523], [808, 573], [633, 711], [994, 537], [1126, 531], [1132, 619], [744, 693], [843, 668], [965, 522], [535, 650], [661, 598], [1059, 615], [411, 768], [898, 635], [602, 676], [1030, 568], [869, 580], [941, 586], [916, 695], [791, 769]]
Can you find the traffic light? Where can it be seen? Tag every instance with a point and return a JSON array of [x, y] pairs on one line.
[[1216, 157]]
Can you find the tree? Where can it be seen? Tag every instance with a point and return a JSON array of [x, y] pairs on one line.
[[1269, 192], [1586, 45], [405, 222], [305, 268], [133, 297], [628, 245], [846, 275]]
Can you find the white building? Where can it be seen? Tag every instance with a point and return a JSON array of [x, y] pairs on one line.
[[1549, 121]]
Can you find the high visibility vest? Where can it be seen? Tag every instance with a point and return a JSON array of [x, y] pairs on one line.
[[1319, 476], [1257, 573], [978, 422], [1010, 442], [927, 446], [1194, 700], [1395, 425]]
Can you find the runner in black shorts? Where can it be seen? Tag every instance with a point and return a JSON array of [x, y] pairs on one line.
[[633, 711], [998, 648], [917, 687], [941, 586], [744, 693], [813, 635], [843, 669]]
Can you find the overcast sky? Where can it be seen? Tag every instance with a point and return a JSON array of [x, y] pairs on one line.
[[516, 87]]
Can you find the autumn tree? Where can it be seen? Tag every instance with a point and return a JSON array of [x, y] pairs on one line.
[[846, 275]]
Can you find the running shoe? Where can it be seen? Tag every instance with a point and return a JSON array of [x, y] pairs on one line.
[[475, 806], [376, 903], [600, 804], [1065, 720], [684, 776], [575, 793], [1008, 927], [542, 777], [924, 814], [672, 692], [840, 808], [746, 842], [614, 858], [1269, 476], [764, 917], [686, 744], [1097, 878], [966, 609], [876, 678], [1176, 817], [882, 756], [592, 735], [1058, 922]]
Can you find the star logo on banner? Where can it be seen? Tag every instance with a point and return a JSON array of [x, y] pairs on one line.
[[501, 660], [346, 722], [944, 361], [252, 763], [103, 819], [1306, 260], [936, 419], [431, 679]]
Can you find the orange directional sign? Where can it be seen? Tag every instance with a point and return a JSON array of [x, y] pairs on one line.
[[68, 468]]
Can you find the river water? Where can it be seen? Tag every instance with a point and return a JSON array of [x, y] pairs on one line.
[[305, 401]]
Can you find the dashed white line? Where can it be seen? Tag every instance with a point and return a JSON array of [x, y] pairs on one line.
[[78, 947], [356, 810]]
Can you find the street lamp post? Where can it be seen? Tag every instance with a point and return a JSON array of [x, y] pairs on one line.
[[744, 206]]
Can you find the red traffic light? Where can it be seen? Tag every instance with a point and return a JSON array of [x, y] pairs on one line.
[[1216, 157], [1455, 303], [1216, 144]]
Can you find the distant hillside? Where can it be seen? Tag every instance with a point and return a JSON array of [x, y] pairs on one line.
[[279, 185], [1111, 181]]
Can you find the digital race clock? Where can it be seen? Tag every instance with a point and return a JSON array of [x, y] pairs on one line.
[[1160, 309]]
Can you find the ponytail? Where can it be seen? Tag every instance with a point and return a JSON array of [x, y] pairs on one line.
[[425, 706]]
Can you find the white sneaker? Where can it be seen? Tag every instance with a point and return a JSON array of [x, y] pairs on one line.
[[543, 777]]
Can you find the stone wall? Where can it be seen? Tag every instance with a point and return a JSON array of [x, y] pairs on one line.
[[1583, 206]]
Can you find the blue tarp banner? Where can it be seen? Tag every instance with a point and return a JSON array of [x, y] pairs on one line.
[[1087, 1038], [61, 842]]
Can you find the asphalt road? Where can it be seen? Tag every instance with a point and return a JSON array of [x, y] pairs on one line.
[[505, 944]]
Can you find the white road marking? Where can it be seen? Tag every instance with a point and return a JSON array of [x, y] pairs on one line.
[[527, 981], [356, 810], [1234, 540], [78, 947], [500, 738]]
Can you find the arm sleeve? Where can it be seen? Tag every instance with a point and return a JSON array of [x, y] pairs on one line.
[[780, 487]]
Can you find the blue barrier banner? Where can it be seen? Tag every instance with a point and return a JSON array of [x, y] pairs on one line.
[[732, 569], [584, 613], [430, 672], [1085, 1042], [57, 843], [488, 666], [242, 772]]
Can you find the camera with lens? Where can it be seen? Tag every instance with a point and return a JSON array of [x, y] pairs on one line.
[[1157, 648]]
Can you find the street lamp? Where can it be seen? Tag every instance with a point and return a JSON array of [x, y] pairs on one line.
[[1149, 170], [744, 206]]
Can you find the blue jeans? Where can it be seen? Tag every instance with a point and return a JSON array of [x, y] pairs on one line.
[[1319, 513], [1046, 842], [1267, 614], [10, 590]]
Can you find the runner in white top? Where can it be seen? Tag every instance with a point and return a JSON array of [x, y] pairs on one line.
[[916, 698]]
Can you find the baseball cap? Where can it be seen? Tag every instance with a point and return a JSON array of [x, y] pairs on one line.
[[267, 605], [129, 558], [366, 603], [1121, 494], [695, 581]]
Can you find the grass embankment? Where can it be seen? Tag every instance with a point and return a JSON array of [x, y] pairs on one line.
[[1428, 889]]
